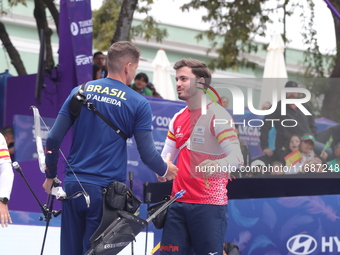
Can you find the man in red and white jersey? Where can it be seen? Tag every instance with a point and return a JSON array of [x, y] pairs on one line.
[[6, 182], [207, 148]]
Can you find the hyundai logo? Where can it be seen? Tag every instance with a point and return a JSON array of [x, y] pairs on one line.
[[301, 244]]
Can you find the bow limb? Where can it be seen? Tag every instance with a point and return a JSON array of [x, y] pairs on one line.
[[56, 190], [38, 139]]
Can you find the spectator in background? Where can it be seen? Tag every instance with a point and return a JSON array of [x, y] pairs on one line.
[[99, 60], [310, 162], [311, 139], [244, 148], [271, 135], [334, 164], [97, 72], [277, 168], [153, 90], [225, 102], [256, 168], [6, 182], [305, 124], [266, 106], [8, 133], [140, 85], [292, 155], [294, 143], [303, 159]]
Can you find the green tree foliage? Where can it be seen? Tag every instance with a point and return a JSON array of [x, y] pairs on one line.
[[11, 3], [6, 41], [233, 26], [149, 29], [105, 23], [39, 13], [324, 66], [104, 26]]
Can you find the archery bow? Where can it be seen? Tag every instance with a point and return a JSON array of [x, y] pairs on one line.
[[58, 190], [38, 140]]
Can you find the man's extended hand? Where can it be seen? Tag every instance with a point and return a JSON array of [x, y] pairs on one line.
[[47, 185], [172, 170]]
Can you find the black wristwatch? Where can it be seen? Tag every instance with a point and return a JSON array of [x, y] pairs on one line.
[[4, 200]]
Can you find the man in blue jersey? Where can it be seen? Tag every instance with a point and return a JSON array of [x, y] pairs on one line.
[[98, 155]]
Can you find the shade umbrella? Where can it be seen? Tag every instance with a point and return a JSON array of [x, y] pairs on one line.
[[161, 76], [275, 68]]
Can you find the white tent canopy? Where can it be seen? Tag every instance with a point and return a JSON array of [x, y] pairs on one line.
[[274, 68], [161, 76]]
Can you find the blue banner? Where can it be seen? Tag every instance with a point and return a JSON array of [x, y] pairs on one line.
[[3, 82], [285, 225], [305, 225], [80, 24]]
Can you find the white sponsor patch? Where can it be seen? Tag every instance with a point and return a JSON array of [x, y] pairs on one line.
[[198, 140], [199, 130]]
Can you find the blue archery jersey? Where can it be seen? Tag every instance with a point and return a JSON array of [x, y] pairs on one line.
[[98, 155]]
